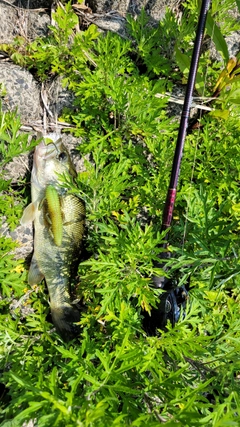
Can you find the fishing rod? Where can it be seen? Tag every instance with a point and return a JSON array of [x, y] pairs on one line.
[[175, 297]]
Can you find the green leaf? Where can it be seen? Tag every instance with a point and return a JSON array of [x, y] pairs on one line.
[[182, 60], [238, 5], [235, 96], [222, 114], [215, 33], [32, 409]]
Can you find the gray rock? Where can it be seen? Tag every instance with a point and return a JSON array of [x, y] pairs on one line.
[[155, 8], [22, 92], [27, 23], [7, 23], [16, 169], [23, 235], [59, 97], [110, 15], [72, 143], [33, 4], [233, 42]]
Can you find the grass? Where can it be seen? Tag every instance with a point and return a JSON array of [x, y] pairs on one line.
[[114, 374]]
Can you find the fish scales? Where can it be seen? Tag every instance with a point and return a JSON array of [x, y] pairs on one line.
[[56, 263]]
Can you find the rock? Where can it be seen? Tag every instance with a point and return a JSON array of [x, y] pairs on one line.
[[7, 23], [71, 143], [23, 235], [35, 4], [110, 15], [233, 42], [155, 8], [58, 97], [114, 22], [22, 92], [27, 23], [17, 169]]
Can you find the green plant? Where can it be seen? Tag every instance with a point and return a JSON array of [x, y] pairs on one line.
[[114, 374], [12, 144]]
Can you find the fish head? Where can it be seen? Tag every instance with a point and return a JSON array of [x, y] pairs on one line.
[[51, 158]]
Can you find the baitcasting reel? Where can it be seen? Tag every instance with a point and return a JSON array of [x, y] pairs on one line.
[[172, 303]]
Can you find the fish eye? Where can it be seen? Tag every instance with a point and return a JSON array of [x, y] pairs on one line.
[[62, 156]]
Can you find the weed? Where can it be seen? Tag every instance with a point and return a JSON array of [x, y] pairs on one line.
[[114, 374]]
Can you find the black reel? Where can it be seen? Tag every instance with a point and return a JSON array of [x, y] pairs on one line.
[[172, 303]]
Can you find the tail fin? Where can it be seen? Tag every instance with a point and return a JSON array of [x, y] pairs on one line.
[[63, 318]]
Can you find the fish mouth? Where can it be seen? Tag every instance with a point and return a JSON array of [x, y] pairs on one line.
[[47, 149]]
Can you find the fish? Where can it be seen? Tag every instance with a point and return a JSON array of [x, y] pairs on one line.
[[59, 224]]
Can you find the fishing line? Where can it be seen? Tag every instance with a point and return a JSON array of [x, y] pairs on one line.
[[196, 148]]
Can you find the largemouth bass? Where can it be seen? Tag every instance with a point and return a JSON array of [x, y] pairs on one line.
[[59, 220]]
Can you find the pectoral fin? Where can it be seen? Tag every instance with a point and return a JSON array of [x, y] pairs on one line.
[[28, 214], [34, 276]]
